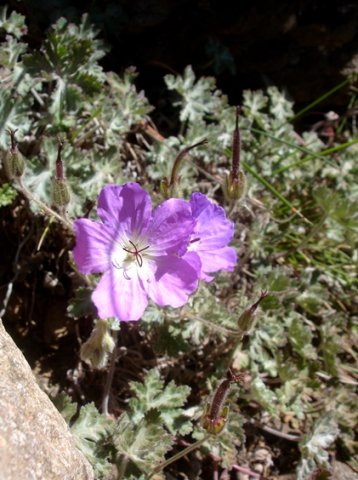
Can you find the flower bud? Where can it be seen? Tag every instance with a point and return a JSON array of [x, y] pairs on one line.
[[99, 345], [14, 163]]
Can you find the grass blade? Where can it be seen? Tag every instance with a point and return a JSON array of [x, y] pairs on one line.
[[337, 148], [274, 192]]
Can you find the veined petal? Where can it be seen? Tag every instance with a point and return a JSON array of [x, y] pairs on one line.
[[127, 208], [93, 246], [173, 281], [171, 227], [213, 228], [220, 259], [120, 294]]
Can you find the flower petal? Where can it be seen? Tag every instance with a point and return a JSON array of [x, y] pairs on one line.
[[193, 259], [93, 246], [127, 207], [173, 282], [120, 294], [171, 227], [213, 228], [220, 259]]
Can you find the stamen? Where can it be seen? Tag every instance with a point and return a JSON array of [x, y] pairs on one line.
[[195, 240], [139, 259], [116, 264]]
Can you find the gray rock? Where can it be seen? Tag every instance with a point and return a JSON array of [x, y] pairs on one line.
[[35, 442]]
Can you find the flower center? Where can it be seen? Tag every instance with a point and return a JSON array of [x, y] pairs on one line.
[[136, 252]]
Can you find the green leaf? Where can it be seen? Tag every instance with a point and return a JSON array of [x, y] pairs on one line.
[[300, 337], [65, 406], [92, 431], [165, 402], [314, 445], [81, 304], [13, 24], [14, 114], [144, 443], [263, 395], [68, 61], [199, 97], [7, 194]]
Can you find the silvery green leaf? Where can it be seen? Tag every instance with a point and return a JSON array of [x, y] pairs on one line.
[[263, 395], [13, 23], [166, 402], [314, 445], [91, 431], [199, 97], [143, 443]]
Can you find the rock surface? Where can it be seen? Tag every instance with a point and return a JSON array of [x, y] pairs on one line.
[[35, 442]]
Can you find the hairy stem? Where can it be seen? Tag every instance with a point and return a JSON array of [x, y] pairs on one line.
[[123, 467], [178, 455], [109, 380], [47, 210]]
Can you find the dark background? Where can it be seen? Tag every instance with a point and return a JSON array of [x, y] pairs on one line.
[[302, 46]]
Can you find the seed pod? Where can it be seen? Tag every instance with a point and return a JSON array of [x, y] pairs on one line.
[[168, 187], [60, 191], [164, 188], [247, 318], [216, 414], [14, 163], [235, 183], [235, 188]]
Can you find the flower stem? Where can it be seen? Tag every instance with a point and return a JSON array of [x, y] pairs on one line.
[[109, 380], [47, 210], [178, 455]]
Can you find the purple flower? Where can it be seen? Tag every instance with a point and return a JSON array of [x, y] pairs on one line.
[[138, 251], [208, 242]]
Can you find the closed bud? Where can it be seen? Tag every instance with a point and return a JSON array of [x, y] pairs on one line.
[[14, 163], [100, 344]]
